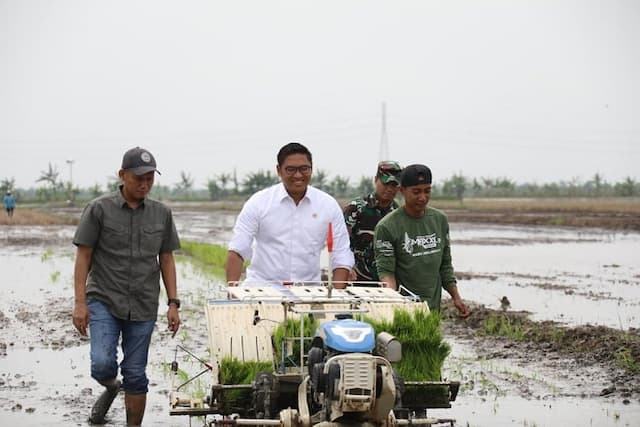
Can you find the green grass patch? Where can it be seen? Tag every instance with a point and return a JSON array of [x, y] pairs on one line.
[[557, 220], [588, 342], [423, 347], [504, 326], [209, 257], [626, 360]]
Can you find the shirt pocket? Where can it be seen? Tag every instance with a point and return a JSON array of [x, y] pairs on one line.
[[115, 238], [314, 236], [151, 239]]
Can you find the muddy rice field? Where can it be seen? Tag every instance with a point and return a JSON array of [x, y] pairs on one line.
[[553, 340]]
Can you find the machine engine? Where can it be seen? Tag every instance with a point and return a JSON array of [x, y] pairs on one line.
[[348, 382], [345, 378]]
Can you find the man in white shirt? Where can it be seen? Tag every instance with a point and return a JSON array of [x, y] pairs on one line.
[[289, 224]]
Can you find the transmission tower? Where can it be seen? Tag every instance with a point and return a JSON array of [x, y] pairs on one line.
[[384, 142]]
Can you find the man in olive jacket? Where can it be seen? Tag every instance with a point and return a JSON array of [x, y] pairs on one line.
[[125, 242]]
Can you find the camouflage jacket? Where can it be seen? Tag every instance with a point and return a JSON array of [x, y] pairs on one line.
[[361, 216]]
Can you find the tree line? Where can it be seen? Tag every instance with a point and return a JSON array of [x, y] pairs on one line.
[[228, 186]]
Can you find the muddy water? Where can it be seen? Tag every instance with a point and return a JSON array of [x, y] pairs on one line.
[[556, 274], [575, 277]]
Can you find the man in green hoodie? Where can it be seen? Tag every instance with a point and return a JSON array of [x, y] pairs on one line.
[[412, 244]]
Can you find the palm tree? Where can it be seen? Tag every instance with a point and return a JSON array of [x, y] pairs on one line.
[[224, 179], [50, 177], [257, 181], [455, 185], [185, 184], [95, 190], [7, 184], [365, 186], [339, 186], [626, 188], [319, 179], [113, 183], [215, 191], [236, 183], [505, 186], [598, 183]]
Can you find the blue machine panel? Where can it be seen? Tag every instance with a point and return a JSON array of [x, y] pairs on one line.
[[348, 336]]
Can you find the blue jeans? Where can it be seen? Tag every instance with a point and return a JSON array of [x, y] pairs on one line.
[[105, 330]]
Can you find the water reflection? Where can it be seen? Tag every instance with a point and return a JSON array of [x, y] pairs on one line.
[[566, 275]]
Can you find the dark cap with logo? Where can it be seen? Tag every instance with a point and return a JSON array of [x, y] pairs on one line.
[[415, 175], [389, 171], [139, 161]]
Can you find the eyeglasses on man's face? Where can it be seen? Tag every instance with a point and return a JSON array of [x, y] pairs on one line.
[[291, 170]]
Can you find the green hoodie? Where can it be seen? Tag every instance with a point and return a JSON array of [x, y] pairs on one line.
[[416, 252]]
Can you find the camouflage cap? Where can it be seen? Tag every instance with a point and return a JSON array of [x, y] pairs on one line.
[[389, 171]]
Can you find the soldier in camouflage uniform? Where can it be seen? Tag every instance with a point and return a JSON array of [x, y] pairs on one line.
[[362, 215]]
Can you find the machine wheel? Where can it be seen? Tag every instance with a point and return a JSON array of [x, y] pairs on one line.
[[263, 396], [333, 375], [400, 388]]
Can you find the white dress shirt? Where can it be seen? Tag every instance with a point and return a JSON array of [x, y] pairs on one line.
[[284, 241]]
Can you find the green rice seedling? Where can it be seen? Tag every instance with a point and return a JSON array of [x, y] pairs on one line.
[[46, 256], [423, 347], [183, 375], [625, 359], [184, 335], [291, 331], [504, 326], [55, 276], [233, 371]]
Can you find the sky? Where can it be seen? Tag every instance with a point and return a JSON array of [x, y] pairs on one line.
[[541, 91]]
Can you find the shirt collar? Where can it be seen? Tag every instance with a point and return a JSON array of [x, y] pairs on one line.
[[122, 202], [372, 202], [282, 193]]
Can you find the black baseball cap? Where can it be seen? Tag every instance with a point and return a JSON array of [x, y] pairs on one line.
[[415, 175], [139, 161]]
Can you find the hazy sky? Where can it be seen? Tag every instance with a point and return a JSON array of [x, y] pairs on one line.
[[535, 91]]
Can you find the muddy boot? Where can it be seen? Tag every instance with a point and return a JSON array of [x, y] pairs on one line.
[[102, 405]]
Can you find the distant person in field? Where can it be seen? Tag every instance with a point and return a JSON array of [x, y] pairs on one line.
[[362, 215], [9, 203], [283, 229], [125, 242], [412, 244]]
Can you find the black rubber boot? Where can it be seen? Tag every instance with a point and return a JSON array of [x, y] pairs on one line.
[[102, 405]]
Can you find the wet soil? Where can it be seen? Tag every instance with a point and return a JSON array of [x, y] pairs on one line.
[[611, 357], [606, 359]]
